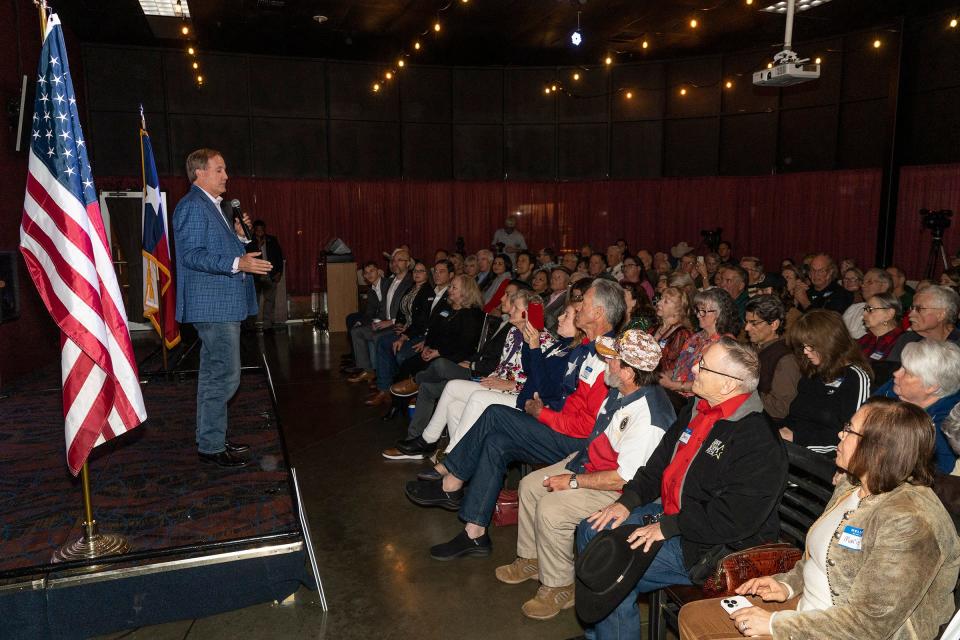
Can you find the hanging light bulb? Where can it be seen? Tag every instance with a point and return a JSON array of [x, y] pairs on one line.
[[376, 87], [629, 95], [547, 90], [683, 92], [876, 44], [693, 23], [191, 51], [608, 60], [729, 84], [749, 2], [400, 63], [196, 65], [553, 87], [416, 45], [388, 75], [953, 23], [436, 26], [199, 79], [185, 30], [769, 65], [817, 60], [576, 76], [645, 44]]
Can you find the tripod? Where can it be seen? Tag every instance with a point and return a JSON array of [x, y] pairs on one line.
[[936, 251]]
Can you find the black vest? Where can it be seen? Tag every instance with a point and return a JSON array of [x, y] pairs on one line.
[[769, 357]]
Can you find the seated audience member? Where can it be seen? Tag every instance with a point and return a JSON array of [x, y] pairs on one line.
[[835, 381], [687, 264], [634, 272], [639, 314], [882, 319], [555, 300], [463, 401], [950, 427], [525, 265], [374, 279], [823, 292], [547, 259], [779, 371], [661, 263], [364, 337], [682, 281], [501, 270], [712, 485], [569, 261], [586, 251], [707, 271], [933, 315], [881, 561], [484, 274], [733, 280], [852, 280], [615, 262], [583, 266], [663, 281], [553, 500], [725, 252], [673, 329], [540, 282], [900, 287], [471, 266], [875, 281], [718, 317], [416, 309], [950, 278], [646, 260], [457, 261], [929, 377], [537, 435], [755, 274], [547, 365], [597, 265], [428, 384], [454, 333], [440, 254], [793, 276]]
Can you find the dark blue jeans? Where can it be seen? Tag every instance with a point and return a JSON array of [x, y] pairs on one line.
[[666, 569], [502, 435], [217, 381], [387, 363]]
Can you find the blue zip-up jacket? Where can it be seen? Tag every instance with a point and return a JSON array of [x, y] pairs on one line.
[[938, 411]]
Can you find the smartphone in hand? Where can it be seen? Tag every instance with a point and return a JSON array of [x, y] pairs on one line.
[[535, 315]]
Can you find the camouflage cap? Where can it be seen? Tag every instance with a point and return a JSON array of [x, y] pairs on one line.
[[636, 348]]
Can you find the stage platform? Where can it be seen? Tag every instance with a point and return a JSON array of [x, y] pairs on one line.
[[203, 539]]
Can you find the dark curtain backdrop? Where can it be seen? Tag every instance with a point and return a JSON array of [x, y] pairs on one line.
[[925, 187], [771, 217]]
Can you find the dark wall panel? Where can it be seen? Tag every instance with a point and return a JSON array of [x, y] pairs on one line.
[[351, 95], [824, 91], [224, 91], [287, 86], [863, 134], [744, 96], [748, 144], [866, 70], [637, 149], [477, 152], [425, 95], [690, 147], [426, 151], [524, 98], [229, 135], [808, 139], [646, 81], [477, 95], [931, 134], [531, 152], [588, 100], [288, 148], [934, 60], [122, 79], [583, 151], [364, 149], [115, 146], [701, 79]]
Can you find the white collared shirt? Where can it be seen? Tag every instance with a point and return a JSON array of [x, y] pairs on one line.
[[216, 202], [437, 295], [393, 289]]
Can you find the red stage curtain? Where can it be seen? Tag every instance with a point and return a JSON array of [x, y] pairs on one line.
[[768, 216], [926, 187]]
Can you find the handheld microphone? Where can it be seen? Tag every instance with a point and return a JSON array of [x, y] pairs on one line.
[[238, 215]]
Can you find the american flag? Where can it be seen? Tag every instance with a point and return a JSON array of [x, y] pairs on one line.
[[64, 245], [159, 297]]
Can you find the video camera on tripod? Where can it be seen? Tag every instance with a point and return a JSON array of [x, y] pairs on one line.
[[937, 222]]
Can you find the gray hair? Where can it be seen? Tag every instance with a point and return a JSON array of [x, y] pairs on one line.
[[951, 428], [936, 363], [947, 298], [681, 279], [527, 297], [745, 362], [485, 252], [880, 275], [608, 295]]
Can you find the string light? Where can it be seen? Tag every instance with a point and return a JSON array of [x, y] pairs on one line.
[[693, 23], [953, 23], [876, 44], [436, 26], [576, 76], [388, 75], [199, 79], [191, 51], [376, 87], [629, 95], [645, 44], [729, 84], [749, 2], [683, 92], [416, 45], [400, 63], [547, 90], [553, 87], [196, 66], [185, 30], [608, 60], [769, 65], [817, 60]]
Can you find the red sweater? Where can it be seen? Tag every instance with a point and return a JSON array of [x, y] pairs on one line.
[[579, 412]]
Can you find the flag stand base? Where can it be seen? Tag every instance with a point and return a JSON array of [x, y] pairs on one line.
[[91, 545]]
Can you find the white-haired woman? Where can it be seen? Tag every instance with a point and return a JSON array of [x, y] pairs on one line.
[[929, 377]]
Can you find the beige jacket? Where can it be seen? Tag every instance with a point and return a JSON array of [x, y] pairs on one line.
[[899, 586]]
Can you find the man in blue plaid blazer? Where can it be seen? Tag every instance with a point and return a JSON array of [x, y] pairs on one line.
[[215, 293]]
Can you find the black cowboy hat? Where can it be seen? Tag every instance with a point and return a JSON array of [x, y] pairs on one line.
[[607, 570]]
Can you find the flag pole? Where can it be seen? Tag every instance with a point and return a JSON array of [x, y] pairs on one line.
[[92, 544]]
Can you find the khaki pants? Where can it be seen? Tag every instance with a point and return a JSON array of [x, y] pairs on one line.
[[548, 521], [707, 620]]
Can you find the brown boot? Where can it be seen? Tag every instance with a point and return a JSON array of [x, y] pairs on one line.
[[520, 570], [405, 388], [548, 602], [365, 376], [380, 397]]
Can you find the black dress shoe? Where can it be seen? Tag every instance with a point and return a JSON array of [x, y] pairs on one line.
[[391, 414], [223, 459], [417, 446], [431, 494], [236, 447], [462, 545]]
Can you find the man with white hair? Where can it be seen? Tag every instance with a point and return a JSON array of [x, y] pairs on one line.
[[553, 500], [929, 377], [484, 265], [933, 315], [711, 486]]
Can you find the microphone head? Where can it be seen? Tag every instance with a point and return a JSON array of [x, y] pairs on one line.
[[235, 203]]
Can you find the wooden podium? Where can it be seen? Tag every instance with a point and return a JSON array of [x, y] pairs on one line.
[[341, 293]]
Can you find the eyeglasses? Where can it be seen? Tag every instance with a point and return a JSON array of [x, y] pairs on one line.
[[869, 309], [702, 312], [420, 270], [576, 298], [630, 264], [757, 322], [704, 367], [848, 428], [853, 279], [921, 309]]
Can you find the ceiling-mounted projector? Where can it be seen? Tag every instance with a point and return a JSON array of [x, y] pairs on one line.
[[787, 68]]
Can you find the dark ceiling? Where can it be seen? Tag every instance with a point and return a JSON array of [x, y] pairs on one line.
[[482, 32]]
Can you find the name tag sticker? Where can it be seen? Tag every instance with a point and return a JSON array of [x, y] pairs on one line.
[[444, 314], [876, 355], [685, 436], [852, 538]]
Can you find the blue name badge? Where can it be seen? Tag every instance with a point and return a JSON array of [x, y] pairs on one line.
[[852, 538], [685, 436]]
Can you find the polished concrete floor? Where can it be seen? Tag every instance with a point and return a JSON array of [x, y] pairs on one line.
[[370, 541]]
